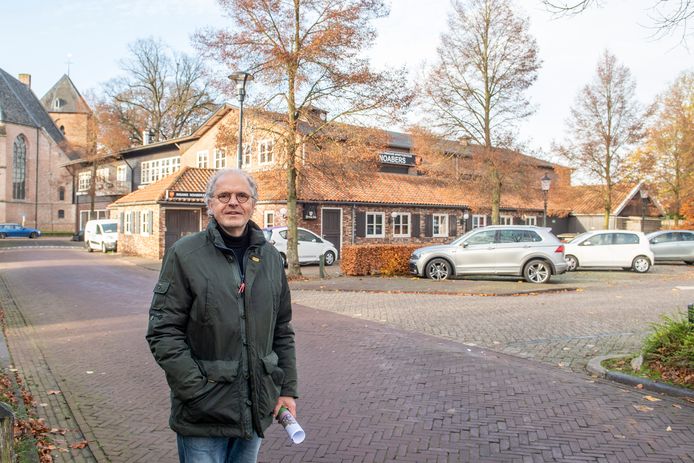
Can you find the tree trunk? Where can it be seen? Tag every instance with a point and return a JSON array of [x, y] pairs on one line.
[[292, 242]]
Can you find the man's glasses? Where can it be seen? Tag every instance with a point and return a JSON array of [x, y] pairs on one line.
[[225, 197]]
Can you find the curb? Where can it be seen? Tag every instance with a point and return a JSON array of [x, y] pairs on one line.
[[594, 366]]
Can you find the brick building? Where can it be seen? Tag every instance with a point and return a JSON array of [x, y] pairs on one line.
[[35, 190]]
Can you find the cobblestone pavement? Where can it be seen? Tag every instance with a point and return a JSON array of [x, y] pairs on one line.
[[369, 391], [610, 313]]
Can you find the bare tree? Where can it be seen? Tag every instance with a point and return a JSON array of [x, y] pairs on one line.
[[604, 124], [306, 54], [668, 16], [666, 158], [486, 61], [161, 90]]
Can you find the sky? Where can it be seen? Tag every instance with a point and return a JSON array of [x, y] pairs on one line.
[[39, 38]]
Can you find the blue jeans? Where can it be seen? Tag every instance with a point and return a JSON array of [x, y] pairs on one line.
[[218, 449]]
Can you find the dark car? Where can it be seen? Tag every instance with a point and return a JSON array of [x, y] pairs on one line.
[[14, 230], [673, 245]]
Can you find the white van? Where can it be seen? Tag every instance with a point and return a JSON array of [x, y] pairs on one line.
[[101, 234]]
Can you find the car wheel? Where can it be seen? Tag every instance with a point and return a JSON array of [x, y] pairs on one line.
[[641, 264], [33, 235], [438, 269], [571, 262], [3, 236], [537, 271], [329, 258], [284, 260]]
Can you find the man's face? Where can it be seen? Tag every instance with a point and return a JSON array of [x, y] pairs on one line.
[[234, 215]]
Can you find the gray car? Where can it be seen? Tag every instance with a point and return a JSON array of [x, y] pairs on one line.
[[672, 245], [532, 252]]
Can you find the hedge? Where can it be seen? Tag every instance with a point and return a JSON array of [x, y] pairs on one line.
[[377, 259]]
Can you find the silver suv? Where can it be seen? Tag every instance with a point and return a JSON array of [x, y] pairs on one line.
[[532, 252]]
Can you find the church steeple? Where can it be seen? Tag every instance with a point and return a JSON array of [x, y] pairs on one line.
[[64, 97]]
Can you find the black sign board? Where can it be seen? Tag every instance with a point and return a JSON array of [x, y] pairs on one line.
[[310, 212], [184, 195], [400, 159]]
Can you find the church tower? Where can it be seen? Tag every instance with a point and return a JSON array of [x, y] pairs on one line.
[[69, 110]]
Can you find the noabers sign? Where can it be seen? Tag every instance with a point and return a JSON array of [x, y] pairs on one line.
[[399, 159]]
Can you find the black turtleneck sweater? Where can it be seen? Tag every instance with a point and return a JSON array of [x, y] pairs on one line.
[[237, 245]]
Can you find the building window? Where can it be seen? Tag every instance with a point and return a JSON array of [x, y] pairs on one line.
[[61, 193], [121, 174], [220, 158], [152, 171], [247, 154], [62, 129], [203, 161], [440, 222], [401, 225], [58, 103], [374, 224], [479, 221], [128, 222], [61, 214], [19, 168], [265, 154], [530, 220], [269, 218], [103, 174], [146, 222], [84, 181], [506, 220]]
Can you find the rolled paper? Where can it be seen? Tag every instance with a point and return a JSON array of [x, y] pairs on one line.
[[288, 422]]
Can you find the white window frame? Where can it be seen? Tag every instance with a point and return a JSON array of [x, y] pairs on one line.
[[127, 223], [84, 181], [479, 221], [530, 220], [151, 171], [265, 151], [121, 174], [144, 222], [505, 220], [220, 158], [103, 173], [442, 225], [269, 218], [373, 216], [247, 154], [404, 227], [203, 159]]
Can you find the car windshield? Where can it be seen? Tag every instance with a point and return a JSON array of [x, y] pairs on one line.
[[459, 240], [578, 238], [109, 227]]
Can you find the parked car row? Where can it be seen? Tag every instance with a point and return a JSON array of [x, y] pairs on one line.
[[536, 254]]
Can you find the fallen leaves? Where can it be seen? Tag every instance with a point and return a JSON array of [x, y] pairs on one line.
[[643, 408], [79, 445], [53, 392], [650, 398]]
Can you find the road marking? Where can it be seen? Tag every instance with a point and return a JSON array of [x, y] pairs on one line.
[[685, 288]]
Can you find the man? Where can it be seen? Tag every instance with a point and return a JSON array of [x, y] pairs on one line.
[[219, 327]]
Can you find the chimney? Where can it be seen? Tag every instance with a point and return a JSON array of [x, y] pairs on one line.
[[147, 136], [25, 79]]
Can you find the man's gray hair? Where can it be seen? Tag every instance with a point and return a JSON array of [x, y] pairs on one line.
[[212, 184]]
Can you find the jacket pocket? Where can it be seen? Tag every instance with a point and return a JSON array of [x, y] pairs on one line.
[[159, 297], [270, 383], [219, 402]]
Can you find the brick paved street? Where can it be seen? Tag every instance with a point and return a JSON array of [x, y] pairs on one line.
[[370, 391]]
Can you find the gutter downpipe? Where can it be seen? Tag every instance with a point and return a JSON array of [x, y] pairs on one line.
[[36, 189]]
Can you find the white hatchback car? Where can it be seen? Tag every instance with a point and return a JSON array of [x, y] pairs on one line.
[[610, 248], [311, 246]]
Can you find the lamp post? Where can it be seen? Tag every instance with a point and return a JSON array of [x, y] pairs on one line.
[[545, 182], [644, 202], [240, 77]]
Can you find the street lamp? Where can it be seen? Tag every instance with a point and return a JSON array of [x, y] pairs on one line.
[[545, 182], [240, 77], [644, 202]]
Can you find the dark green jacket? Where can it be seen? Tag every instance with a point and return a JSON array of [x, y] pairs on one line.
[[227, 355]]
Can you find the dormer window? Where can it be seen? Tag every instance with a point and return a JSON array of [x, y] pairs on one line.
[[58, 103]]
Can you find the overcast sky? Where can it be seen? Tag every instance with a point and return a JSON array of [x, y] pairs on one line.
[[37, 37]]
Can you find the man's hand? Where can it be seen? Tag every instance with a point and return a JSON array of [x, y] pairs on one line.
[[288, 403]]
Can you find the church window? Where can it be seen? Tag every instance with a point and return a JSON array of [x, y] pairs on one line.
[[19, 166]]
